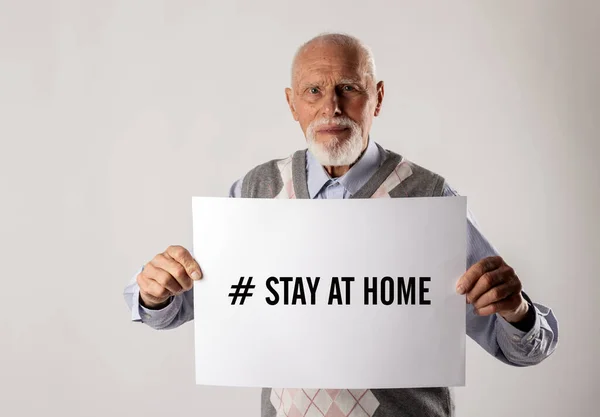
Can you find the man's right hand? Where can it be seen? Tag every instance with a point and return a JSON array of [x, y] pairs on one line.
[[169, 273]]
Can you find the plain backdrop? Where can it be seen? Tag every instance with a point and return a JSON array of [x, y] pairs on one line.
[[113, 114]]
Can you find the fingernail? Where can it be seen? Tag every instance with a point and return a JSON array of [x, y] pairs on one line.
[[196, 275], [460, 289]]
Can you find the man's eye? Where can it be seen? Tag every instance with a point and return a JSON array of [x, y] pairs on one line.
[[348, 88], [313, 90]]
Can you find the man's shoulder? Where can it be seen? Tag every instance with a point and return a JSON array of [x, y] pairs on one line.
[[269, 175], [421, 171], [269, 166], [417, 169], [413, 179]]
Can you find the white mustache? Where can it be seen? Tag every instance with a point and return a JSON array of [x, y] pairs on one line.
[[343, 122]]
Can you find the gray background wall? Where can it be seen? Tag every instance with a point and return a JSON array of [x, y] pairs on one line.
[[114, 113]]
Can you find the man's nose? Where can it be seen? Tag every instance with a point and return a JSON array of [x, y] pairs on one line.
[[331, 105]]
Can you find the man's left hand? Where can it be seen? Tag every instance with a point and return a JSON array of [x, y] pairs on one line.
[[492, 287]]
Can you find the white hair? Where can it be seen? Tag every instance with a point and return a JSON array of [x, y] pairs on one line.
[[336, 152], [339, 39]]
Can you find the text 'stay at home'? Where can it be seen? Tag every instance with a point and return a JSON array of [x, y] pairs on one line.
[[303, 290]]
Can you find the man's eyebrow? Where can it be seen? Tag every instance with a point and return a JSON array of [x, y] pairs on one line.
[[310, 84], [349, 81], [306, 84]]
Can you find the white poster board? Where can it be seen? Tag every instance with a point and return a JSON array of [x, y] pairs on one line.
[[383, 313]]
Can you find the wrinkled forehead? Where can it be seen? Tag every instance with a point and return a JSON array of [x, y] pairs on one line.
[[328, 63]]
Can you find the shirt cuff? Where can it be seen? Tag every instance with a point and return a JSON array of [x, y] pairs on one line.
[[520, 336], [151, 317], [135, 304]]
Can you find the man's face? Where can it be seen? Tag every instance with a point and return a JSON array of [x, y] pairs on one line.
[[334, 99]]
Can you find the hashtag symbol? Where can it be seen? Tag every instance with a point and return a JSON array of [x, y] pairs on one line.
[[241, 290]]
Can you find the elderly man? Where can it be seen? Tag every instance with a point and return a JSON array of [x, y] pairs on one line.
[[335, 96]]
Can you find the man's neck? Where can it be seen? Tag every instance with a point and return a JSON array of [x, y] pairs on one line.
[[336, 172]]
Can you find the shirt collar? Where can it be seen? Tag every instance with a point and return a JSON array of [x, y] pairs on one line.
[[353, 180]]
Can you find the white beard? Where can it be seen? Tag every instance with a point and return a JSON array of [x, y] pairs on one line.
[[336, 152]]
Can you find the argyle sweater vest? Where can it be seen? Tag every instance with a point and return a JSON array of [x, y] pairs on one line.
[[396, 177]]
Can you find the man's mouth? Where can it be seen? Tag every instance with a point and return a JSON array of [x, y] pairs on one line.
[[331, 129]]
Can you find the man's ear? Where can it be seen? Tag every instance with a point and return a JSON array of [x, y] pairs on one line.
[[380, 94], [289, 95]]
